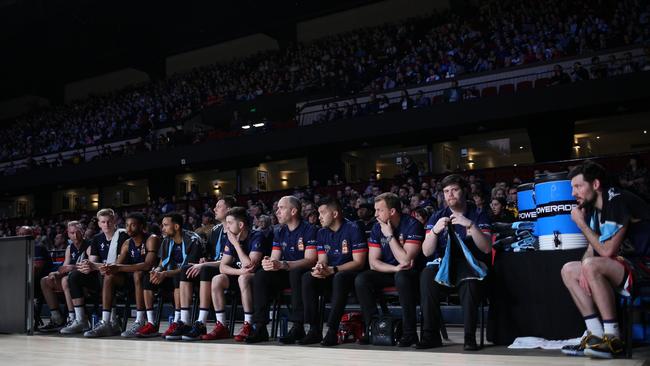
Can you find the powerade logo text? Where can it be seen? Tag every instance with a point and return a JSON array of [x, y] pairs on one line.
[[555, 208], [528, 215]]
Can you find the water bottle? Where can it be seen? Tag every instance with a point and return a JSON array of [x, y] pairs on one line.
[[93, 320]]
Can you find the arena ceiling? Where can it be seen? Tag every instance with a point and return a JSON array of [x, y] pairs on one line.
[[48, 43]]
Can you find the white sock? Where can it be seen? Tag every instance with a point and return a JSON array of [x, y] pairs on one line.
[[594, 325], [221, 316], [611, 327], [140, 316], [248, 318], [80, 312], [185, 316], [150, 316], [203, 315], [106, 316], [177, 316]]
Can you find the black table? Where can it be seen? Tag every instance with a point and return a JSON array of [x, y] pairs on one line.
[[528, 298]]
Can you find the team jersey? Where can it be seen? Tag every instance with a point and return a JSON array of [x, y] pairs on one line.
[[175, 255], [42, 256], [294, 243], [216, 242], [100, 245], [341, 244], [137, 253], [480, 219], [621, 208], [408, 232], [254, 242], [78, 254]]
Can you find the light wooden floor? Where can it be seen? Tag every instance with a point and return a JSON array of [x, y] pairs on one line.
[[17, 350]]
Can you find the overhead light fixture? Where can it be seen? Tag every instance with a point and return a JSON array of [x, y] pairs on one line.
[[597, 137], [521, 147], [645, 132], [260, 124], [515, 164], [246, 127]]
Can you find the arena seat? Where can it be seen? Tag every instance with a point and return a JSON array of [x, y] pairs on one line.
[[437, 99], [275, 311], [489, 91], [541, 83], [524, 85], [506, 89], [637, 303]]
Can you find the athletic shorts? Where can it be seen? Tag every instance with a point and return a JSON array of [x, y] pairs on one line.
[[206, 274], [636, 269]]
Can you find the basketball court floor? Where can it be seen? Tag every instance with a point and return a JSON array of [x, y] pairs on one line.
[[51, 350]]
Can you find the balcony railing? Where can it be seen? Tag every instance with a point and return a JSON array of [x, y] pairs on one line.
[[498, 82]]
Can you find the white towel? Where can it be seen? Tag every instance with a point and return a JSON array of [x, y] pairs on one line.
[[535, 342], [112, 250]]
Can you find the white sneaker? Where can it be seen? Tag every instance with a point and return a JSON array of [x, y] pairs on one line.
[[76, 327], [101, 329], [132, 332]]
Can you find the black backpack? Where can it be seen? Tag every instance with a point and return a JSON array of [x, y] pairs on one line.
[[385, 331]]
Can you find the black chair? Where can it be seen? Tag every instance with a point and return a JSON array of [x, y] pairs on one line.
[[482, 323], [123, 299], [640, 289], [392, 292], [234, 296], [194, 313], [275, 310], [159, 298]]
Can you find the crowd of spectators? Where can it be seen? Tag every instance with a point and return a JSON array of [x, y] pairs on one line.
[[421, 195], [420, 199], [498, 34], [379, 103]]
